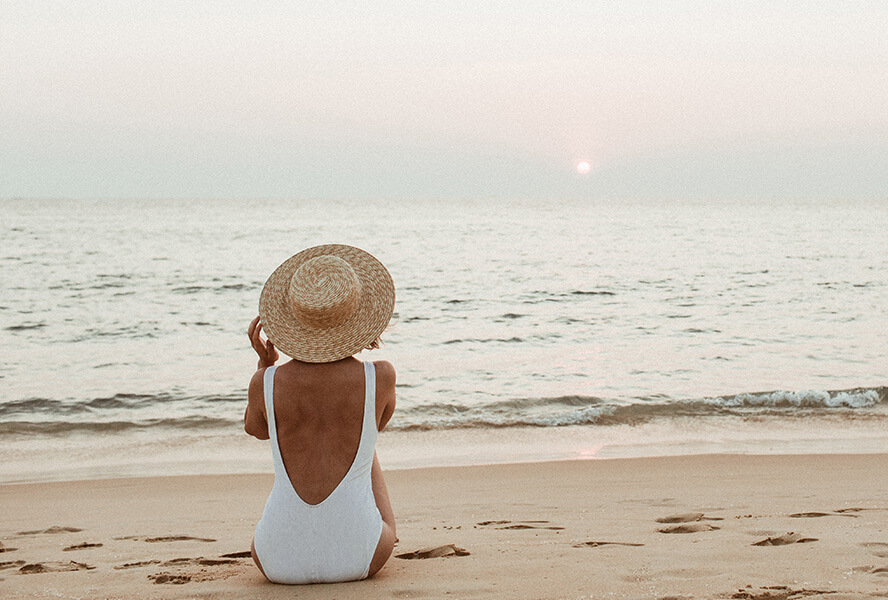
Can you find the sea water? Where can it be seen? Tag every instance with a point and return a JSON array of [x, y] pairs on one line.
[[523, 330]]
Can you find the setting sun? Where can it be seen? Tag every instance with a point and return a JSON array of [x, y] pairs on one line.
[[583, 167]]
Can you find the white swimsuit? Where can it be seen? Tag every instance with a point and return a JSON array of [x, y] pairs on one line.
[[335, 539]]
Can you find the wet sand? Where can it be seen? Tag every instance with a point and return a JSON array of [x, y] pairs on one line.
[[716, 526]]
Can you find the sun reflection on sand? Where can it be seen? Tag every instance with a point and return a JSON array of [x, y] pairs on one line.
[[589, 451]]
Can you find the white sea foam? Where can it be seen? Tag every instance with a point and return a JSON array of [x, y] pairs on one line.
[[803, 399]]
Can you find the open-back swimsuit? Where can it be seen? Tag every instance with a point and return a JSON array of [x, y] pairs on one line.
[[333, 540]]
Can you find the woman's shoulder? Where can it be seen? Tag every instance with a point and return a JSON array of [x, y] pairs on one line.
[[257, 382], [385, 371], [385, 392]]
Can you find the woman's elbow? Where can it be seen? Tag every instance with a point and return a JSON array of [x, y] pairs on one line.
[[257, 432]]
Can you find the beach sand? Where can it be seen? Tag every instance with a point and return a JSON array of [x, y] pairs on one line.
[[571, 529]]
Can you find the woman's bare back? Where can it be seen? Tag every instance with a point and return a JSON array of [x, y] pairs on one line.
[[319, 411]]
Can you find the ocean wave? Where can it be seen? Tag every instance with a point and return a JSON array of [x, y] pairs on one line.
[[26, 327], [511, 340], [202, 288], [117, 402], [589, 410], [538, 296], [856, 398], [126, 412], [591, 293], [196, 422]]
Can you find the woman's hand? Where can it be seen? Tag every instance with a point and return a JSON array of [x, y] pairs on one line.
[[268, 354]]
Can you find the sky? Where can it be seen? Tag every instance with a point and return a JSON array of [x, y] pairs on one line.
[[720, 99]]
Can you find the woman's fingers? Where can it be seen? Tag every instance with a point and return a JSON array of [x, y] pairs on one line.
[[264, 348], [255, 338], [259, 338]]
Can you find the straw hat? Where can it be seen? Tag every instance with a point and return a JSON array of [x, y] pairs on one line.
[[327, 303]]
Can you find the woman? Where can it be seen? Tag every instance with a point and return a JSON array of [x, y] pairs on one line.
[[328, 517]]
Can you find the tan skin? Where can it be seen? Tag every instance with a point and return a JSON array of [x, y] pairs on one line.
[[319, 410]]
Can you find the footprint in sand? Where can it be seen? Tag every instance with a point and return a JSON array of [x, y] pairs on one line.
[[181, 577], [520, 525], [688, 528], [136, 565], [170, 578], [777, 592], [83, 546], [53, 567], [687, 518], [486, 523], [179, 562], [167, 538], [597, 544], [815, 515], [785, 539], [879, 549], [200, 561], [53, 529], [436, 552], [5, 549]]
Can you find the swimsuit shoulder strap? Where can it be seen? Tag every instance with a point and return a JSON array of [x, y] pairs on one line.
[[268, 391], [368, 430]]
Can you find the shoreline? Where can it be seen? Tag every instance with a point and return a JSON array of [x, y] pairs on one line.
[[150, 453], [531, 530]]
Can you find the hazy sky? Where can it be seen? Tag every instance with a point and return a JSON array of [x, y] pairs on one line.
[[714, 98]]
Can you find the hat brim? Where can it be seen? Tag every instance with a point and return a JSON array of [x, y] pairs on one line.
[[328, 344]]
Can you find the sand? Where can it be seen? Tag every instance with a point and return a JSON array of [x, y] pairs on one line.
[[717, 526]]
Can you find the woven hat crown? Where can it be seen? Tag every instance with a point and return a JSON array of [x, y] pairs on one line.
[[326, 303], [324, 292]]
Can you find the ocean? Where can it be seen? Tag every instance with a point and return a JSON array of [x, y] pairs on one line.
[[523, 330]]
